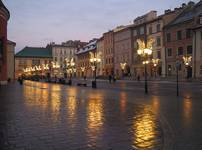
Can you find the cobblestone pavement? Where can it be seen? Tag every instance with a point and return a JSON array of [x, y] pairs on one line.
[[40, 116]]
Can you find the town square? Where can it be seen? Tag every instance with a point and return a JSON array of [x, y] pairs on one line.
[[98, 81]]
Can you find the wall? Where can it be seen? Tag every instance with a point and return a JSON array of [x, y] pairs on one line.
[[11, 60]]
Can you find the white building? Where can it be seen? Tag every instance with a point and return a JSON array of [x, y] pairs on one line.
[[100, 50], [66, 50]]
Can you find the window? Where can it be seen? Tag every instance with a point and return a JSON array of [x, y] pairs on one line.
[[150, 30], [134, 32], [158, 40], [180, 51], [56, 59], [168, 37], [189, 49], [188, 33], [141, 30], [158, 27], [22, 63], [169, 51], [159, 54], [35, 62], [179, 35]]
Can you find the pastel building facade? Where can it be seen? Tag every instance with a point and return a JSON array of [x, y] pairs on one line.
[[83, 65], [122, 51], [31, 57], [100, 51], [179, 41], [108, 53]]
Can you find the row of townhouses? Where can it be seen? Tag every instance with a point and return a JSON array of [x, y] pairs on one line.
[[177, 45]]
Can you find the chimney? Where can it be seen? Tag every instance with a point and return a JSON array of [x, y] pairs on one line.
[[184, 5], [191, 3], [167, 11]]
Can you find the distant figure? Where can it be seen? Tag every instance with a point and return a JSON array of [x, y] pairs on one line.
[[114, 78], [110, 79], [55, 79], [84, 77], [9, 80], [138, 78], [20, 80]]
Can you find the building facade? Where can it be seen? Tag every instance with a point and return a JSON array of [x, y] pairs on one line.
[[64, 51], [84, 67], [122, 52], [179, 41], [4, 17], [11, 60], [108, 54], [30, 57], [100, 51], [139, 31], [197, 47]]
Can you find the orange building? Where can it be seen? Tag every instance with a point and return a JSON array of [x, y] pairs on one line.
[[4, 17]]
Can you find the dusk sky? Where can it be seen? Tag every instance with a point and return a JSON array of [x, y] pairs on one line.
[[38, 22]]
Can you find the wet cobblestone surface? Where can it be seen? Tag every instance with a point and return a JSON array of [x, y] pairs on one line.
[[39, 116]]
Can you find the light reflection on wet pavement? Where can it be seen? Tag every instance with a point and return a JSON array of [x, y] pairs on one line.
[[45, 116]]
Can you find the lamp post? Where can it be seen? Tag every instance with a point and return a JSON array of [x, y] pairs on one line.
[[155, 63], [70, 64], [123, 66], [145, 52], [94, 59], [55, 65], [187, 61], [83, 70], [177, 76]]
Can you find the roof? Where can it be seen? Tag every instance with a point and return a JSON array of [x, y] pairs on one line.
[[38, 52], [11, 42], [188, 14], [92, 45], [4, 7]]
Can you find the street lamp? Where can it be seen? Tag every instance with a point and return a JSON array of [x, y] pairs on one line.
[[155, 63], [83, 70], [123, 66], [70, 64], [94, 59], [187, 61], [145, 52]]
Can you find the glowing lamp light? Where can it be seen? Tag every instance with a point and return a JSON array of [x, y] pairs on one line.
[[139, 52]]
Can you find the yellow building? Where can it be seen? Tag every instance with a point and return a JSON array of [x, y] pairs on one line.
[[30, 57]]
